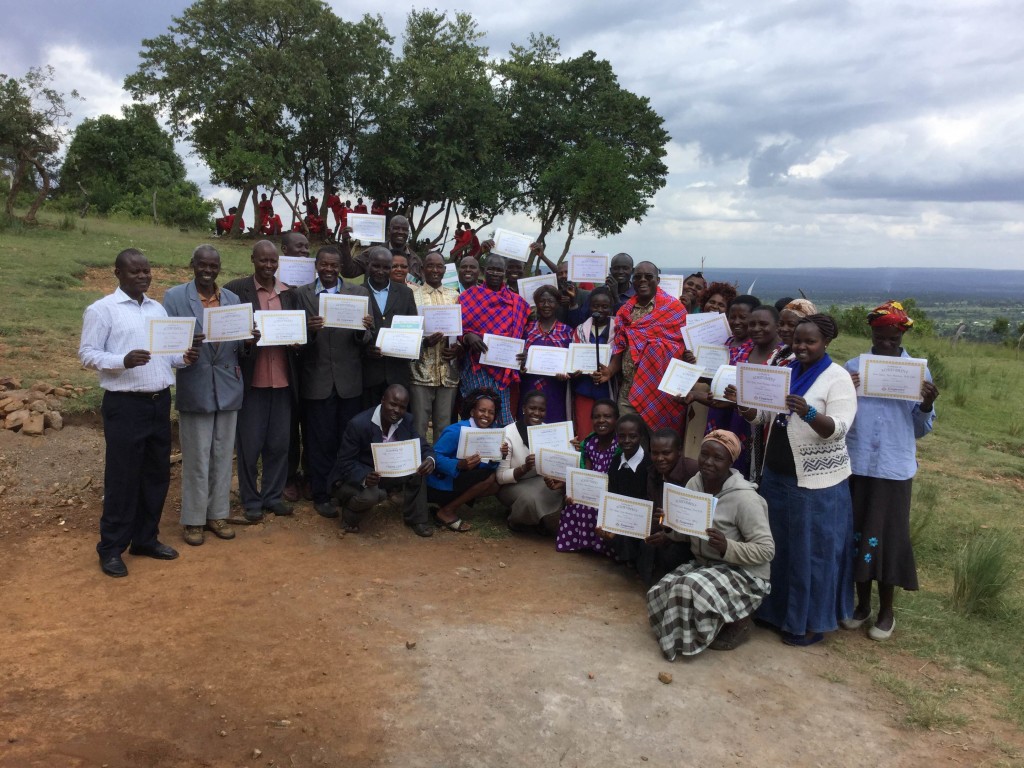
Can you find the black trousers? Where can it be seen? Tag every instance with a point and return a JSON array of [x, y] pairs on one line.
[[137, 431], [323, 427]]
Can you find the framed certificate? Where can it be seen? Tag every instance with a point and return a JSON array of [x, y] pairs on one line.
[[398, 459], [588, 267], [527, 286], [556, 462], [625, 516], [280, 327], [547, 361], [485, 443], [586, 487], [343, 310], [680, 377], [714, 331], [230, 323], [400, 342], [688, 512], [368, 228], [763, 387], [442, 318], [894, 378], [711, 357], [170, 335], [557, 435], [512, 245], [672, 285], [583, 357], [725, 377], [296, 270], [501, 351]]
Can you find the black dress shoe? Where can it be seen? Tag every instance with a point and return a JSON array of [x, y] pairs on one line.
[[113, 566], [422, 529], [157, 551], [279, 508], [326, 509]]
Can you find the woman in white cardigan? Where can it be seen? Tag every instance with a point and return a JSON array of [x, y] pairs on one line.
[[805, 485]]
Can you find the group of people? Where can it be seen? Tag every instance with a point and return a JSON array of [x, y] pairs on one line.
[[813, 504]]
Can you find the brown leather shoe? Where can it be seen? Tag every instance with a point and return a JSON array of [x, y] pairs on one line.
[[220, 529], [193, 535]]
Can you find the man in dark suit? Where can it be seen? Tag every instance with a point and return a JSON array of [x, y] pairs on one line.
[[387, 299], [270, 389], [354, 480], [331, 380]]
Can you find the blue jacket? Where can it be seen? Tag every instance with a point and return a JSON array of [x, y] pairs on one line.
[[447, 465], [214, 382]]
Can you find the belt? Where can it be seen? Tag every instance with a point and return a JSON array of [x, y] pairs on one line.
[[144, 395]]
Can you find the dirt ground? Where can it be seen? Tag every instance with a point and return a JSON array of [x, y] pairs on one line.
[[295, 646]]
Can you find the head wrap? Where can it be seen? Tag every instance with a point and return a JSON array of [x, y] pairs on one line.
[[725, 438], [890, 314], [826, 324], [802, 307]]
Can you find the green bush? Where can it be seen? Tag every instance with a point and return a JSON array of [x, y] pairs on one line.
[[981, 573]]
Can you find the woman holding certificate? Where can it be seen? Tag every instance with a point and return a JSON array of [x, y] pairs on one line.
[[599, 330], [805, 485], [708, 602], [547, 331], [883, 454], [789, 316], [531, 503], [462, 474]]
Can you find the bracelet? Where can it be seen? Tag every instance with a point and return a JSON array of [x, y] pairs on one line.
[[811, 414]]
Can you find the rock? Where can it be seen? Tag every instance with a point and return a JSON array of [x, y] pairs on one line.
[[410, 644], [222, 733], [16, 419], [9, 382], [282, 723], [15, 404], [39, 406], [42, 386], [5, 401], [175, 458], [256, 754], [502, 565], [34, 424], [54, 420], [665, 677], [590, 675], [61, 392]]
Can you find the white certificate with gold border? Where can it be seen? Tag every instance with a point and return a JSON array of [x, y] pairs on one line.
[[280, 327], [344, 310], [170, 335], [398, 459], [230, 323], [763, 387], [555, 462], [512, 245], [680, 377], [400, 342], [625, 516], [687, 511], [894, 378], [557, 435], [584, 486]]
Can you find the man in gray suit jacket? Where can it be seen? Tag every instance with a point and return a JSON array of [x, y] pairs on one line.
[[331, 373], [208, 395]]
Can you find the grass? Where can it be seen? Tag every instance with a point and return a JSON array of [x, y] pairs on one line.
[[982, 573]]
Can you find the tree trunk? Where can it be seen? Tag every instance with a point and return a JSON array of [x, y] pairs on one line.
[[155, 219], [19, 174], [568, 240], [236, 225], [295, 212], [30, 217], [255, 208]]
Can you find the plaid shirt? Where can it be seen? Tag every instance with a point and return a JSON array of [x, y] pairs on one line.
[[431, 370], [650, 341], [502, 313]]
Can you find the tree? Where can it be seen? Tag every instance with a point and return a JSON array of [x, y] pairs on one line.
[[224, 74], [118, 163], [1001, 326], [588, 152], [32, 128]]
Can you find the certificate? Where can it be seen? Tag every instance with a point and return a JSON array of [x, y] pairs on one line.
[[689, 512], [231, 323], [398, 459], [296, 270], [680, 377], [588, 267], [557, 435], [442, 318], [367, 228], [280, 327], [725, 377], [894, 378], [170, 335], [625, 516], [343, 310], [527, 286], [547, 361], [407, 323], [451, 276], [555, 463], [485, 443], [583, 357], [400, 342], [711, 357], [672, 285], [511, 244], [586, 487], [764, 387], [713, 331], [501, 351]]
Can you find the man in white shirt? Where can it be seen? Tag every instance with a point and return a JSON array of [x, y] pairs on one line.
[[136, 414]]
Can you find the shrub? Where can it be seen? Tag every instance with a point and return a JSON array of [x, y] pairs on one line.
[[982, 572]]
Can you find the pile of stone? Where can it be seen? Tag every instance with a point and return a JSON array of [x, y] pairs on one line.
[[35, 410]]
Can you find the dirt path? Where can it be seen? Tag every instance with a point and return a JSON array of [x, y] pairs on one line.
[[295, 641]]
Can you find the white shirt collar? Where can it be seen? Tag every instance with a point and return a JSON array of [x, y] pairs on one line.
[[634, 462], [122, 297], [376, 420]]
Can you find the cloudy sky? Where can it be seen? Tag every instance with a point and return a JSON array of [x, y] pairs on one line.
[[804, 133]]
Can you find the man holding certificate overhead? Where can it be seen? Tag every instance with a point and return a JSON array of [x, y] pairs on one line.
[[116, 340], [208, 396], [491, 308], [380, 453], [708, 602], [331, 384]]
